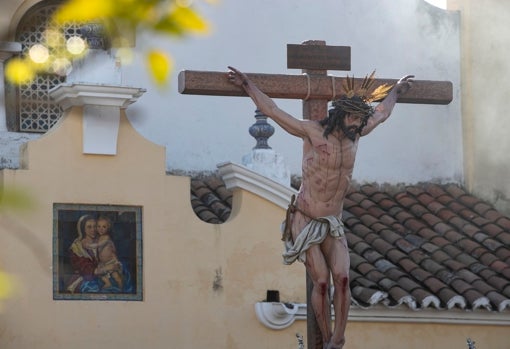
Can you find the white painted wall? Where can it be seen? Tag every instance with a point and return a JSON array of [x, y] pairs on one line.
[[396, 37], [485, 91]]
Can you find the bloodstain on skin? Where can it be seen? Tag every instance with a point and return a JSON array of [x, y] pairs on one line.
[[323, 148], [344, 283], [323, 287]]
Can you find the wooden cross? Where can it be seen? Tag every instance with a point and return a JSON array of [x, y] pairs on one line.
[[316, 89]]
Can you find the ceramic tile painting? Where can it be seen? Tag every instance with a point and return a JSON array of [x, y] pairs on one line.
[[97, 252]]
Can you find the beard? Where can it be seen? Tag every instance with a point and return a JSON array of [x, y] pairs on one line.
[[351, 132]]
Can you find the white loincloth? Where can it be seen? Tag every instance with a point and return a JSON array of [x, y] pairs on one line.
[[313, 233]]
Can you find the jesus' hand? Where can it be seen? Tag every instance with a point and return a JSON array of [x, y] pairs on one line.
[[404, 84], [236, 77]]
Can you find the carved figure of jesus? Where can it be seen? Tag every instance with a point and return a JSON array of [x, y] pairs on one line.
[[313, 230]]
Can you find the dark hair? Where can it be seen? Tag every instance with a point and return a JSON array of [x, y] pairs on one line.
[[340, 109]]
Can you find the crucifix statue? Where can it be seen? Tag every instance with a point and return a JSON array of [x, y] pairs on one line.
[[313, 230]]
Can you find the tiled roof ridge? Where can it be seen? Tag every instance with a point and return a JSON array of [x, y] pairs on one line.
[[424, 245]]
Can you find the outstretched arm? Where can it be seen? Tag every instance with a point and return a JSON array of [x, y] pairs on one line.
[[266, 105], [384, 109]]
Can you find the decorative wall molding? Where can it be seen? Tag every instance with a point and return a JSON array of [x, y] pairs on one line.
[[277, 316], [71, 95], [101, 112], [239, 177]]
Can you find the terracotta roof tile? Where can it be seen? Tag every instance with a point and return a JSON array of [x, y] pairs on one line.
[[420, 274], [504, 237], [440, 256], [361, 247], [427, 234], [434, 284], [210, 199], [503, 222], [504, 254], [394, 273], [382, 246], [377, 212], [422, 246]]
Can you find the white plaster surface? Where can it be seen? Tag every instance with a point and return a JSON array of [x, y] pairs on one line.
[[10, 143], [268, 163], [100, 129], [396, 37], [99, 67]]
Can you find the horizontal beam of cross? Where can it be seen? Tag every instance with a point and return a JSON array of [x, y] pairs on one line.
[[301, 87]]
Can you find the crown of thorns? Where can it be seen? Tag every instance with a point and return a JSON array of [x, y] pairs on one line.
[[357, 100]]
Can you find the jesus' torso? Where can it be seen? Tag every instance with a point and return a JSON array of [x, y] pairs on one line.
[[326, 170]]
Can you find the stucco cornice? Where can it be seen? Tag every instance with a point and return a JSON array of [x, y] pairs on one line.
[[277, 316], [71, 95], [101, 112], [239, 177]]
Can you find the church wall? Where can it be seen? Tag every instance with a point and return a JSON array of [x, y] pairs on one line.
[[421, 335], [182, 256], [485, 88]]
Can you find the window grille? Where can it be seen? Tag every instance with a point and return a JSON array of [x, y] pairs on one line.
[[35, 110]]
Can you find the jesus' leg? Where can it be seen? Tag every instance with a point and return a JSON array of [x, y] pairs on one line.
[[319, 273], [337, 256]]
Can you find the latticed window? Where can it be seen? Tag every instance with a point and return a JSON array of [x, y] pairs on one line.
[[33, 109]]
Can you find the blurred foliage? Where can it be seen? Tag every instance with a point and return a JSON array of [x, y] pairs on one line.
[[11, 198], [7, 286], [14, 198], [119, 18], [159, 65]]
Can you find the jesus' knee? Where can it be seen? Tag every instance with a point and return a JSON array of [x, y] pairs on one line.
[[321, 283], [322, 287], [341, 281]]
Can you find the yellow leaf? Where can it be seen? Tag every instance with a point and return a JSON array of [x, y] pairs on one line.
[[84, 10], [6, 285], [160, 66], [189, 20], [19, 71]]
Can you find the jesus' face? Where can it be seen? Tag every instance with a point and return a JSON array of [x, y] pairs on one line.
[[351, 125]]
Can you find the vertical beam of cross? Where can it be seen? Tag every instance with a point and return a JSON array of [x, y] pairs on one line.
[[315, 58], [315, 109]]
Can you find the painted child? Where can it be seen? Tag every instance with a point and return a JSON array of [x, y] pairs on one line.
[[107, 254]]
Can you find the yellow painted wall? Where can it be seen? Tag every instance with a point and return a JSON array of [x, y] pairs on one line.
[[181, 254], [363, 335]]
